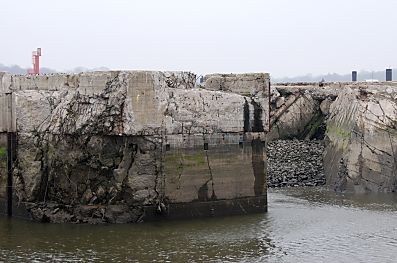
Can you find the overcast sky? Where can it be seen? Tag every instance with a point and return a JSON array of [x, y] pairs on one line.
[[282, 37]]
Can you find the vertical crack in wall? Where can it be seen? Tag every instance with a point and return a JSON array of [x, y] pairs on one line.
[[43, 189], [394, 180], [247, 126], [258, 123], [258, 165], [213, 195], [388, 128]]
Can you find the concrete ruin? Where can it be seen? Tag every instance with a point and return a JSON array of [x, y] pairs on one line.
[[132, 146], [357, 123]]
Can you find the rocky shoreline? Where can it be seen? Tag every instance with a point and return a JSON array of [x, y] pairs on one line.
[[295, 163]]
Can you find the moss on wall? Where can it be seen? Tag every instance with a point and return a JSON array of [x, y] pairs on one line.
[[341, 136], [338, 132], [3, 152], [315, 129], [194, 159]]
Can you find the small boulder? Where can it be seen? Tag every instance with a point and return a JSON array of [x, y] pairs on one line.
[[325, 106]]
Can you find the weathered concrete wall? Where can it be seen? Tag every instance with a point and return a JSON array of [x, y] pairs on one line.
[[227, 170], [362, 139], [108, 146], [152, 100]]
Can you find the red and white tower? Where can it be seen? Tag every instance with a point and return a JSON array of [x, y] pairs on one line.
[[36, 62]]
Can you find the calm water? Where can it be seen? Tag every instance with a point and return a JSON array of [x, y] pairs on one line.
[[302, 225]]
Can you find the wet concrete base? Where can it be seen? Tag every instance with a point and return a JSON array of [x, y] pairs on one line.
[[19, 210], [238, 206], [176, 211]]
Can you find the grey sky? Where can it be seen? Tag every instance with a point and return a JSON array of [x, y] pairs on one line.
[[282, 37]]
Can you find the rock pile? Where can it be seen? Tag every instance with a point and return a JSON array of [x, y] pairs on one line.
[[295, 163]]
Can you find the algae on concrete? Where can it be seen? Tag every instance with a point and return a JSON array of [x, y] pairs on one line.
[[3, 152]]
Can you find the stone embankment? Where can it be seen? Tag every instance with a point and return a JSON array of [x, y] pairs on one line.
[[295, 163]]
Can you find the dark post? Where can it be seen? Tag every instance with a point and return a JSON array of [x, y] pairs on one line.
[[389, 74], [354, 76], [11, 143]]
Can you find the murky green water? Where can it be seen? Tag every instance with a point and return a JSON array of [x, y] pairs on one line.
[[302, 225]]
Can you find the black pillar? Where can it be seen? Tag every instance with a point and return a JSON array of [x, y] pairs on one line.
[[354, 76], [389, 74]]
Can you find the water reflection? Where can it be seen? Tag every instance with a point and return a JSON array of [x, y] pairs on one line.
[[321, 195], [224, 239], [316, 225], [302, 225]]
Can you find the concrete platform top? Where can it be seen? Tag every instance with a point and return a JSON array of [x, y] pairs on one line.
[[134, 103]]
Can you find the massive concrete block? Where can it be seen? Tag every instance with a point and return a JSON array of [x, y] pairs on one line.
[[131, 145]]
